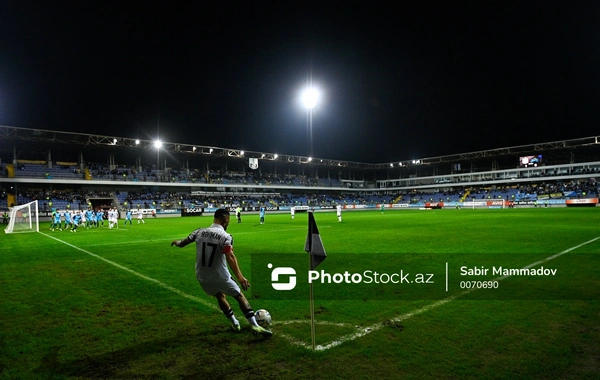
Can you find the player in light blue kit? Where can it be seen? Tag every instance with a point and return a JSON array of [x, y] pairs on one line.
[[68, 220], [56, 221], [99, 217], [128, 218], [90, 218], [63, 223], [262, 214], [76, 221]]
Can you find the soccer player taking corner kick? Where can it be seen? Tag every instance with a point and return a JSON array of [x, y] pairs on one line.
[[214, 251]]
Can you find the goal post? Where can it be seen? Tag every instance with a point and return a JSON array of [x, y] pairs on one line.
[[23, 218]]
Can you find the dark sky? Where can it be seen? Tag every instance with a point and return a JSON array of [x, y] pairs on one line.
[[418, 79]]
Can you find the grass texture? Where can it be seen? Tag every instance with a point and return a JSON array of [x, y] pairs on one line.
[[121, 303]]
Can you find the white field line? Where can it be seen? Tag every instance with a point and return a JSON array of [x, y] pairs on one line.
[[361, 331]]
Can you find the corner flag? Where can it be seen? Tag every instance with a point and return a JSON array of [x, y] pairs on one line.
[[314, 244], [314, 247]]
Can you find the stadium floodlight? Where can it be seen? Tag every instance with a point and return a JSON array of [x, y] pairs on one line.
[[391, 165], [242, 153], [193, 149], [158, 144], [276, 156], [310, 97], [137, 142]]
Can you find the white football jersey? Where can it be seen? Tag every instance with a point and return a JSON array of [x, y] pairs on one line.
[[211, 245]]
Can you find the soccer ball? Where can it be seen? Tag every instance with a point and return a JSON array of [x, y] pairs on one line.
[[263, 317]]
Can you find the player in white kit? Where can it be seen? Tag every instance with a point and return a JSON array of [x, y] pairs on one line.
[[214, 250], [140, 216]]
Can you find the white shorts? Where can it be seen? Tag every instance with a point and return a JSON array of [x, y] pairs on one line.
[[228, 287]]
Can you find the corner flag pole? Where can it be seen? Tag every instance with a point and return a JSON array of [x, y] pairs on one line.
[[309, 243], [313, 335], [316, 255]]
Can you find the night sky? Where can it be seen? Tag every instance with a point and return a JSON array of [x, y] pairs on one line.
[[413, 80]]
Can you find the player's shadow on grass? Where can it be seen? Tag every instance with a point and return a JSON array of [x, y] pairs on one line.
[[163, 351]]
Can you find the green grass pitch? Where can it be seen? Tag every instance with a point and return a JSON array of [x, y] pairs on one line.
[[122, 303]]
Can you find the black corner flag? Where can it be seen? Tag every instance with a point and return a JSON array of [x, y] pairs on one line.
[[314, 244]]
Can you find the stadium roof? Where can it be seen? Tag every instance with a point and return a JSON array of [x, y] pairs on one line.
[[84, 139]]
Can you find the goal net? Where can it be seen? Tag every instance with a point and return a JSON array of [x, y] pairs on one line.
[[23, 218]]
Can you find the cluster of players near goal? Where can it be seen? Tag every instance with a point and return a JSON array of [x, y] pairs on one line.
[[64, 220]]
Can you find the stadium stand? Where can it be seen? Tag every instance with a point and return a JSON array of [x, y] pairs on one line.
[[221, 177]]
